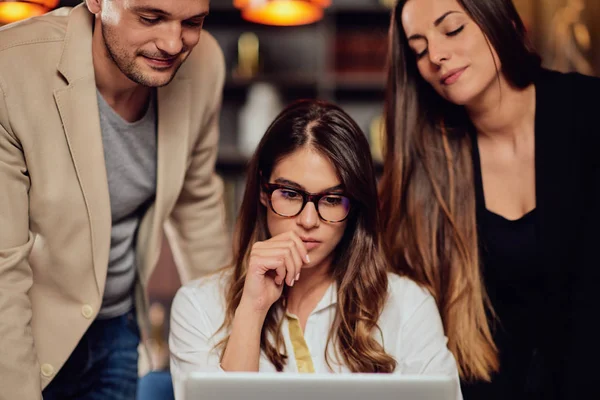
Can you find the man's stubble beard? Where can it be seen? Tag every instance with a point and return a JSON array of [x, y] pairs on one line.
[[128, 67]]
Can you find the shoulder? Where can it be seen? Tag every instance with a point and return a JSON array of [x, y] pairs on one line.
[[209, 47], [568, 77], [48, 28], [568, 102], [406, 297], [204, 74], [202, 296], [206, 62], [573, 85], [30, 51], [406, 290]]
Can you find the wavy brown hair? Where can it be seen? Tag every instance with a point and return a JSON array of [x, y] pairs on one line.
[[427, 188], [358, 267]]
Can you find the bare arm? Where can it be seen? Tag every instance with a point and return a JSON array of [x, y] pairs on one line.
[[192, 330], [285, 254], [243, 348]]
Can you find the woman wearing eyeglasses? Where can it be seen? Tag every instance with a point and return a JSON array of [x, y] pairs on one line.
[[308, 290]]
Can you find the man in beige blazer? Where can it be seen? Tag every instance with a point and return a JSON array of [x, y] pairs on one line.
[[93, 101]]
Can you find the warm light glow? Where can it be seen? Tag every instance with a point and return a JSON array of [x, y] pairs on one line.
[[13, 11], [49, 4], [246, 3], [284, 13]]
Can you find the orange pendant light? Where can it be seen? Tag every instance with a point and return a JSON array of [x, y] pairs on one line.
[[245, 3], [12, 11], [282, 12]]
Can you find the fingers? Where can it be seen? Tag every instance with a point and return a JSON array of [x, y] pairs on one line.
[[289, 249], [262, 265], [287, 256], [281, 272], [296, 239]]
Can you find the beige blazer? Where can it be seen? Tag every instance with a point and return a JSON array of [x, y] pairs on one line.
[[55, 219]]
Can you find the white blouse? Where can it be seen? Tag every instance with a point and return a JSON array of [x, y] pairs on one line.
[[411, 332]]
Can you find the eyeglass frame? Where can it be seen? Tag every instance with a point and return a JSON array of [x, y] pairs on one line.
[[307, 197]]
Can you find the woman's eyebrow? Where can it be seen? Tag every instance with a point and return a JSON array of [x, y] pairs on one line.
[[437, 22], [287, 182]]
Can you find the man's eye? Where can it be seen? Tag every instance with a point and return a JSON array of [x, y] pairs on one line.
[[149, 21], [194, 24]]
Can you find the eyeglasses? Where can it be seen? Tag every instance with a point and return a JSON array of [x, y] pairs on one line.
[[289, 202]]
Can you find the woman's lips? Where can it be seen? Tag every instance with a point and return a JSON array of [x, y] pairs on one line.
[[311, 244], [452, 76]]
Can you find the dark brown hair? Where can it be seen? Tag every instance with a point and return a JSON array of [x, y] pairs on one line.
[[427, 190]]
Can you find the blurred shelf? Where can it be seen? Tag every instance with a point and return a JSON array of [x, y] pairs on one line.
[[338, 59], [280, 80], [230, 160], [347, 83], [289, 87]]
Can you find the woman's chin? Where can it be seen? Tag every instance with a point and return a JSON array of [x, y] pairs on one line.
[[317, 260], [458, 97]]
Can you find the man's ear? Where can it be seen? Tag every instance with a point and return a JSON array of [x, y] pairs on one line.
[[95, 6]]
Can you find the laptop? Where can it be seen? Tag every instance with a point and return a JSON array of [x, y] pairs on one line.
[[286, 386]]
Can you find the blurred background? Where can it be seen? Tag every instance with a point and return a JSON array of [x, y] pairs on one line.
[[277, 51]]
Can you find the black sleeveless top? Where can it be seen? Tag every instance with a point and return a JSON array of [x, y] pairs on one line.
[[513, 276]]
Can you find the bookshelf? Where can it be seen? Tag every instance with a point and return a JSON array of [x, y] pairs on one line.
[[339, 59]]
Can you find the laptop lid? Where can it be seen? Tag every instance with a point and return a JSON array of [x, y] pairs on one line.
[[274, 386]]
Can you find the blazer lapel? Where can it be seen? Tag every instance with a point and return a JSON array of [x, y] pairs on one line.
[[173, 155], [78, 108], [77, 105]]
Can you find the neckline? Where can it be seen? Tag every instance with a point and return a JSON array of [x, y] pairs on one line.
[[525, 217], [112, 114], [479, 193]]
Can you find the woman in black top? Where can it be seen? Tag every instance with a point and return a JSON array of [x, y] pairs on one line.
[[490, 196]]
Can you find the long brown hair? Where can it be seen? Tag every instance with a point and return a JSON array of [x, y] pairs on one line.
[[427, 190], [358, 267]]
